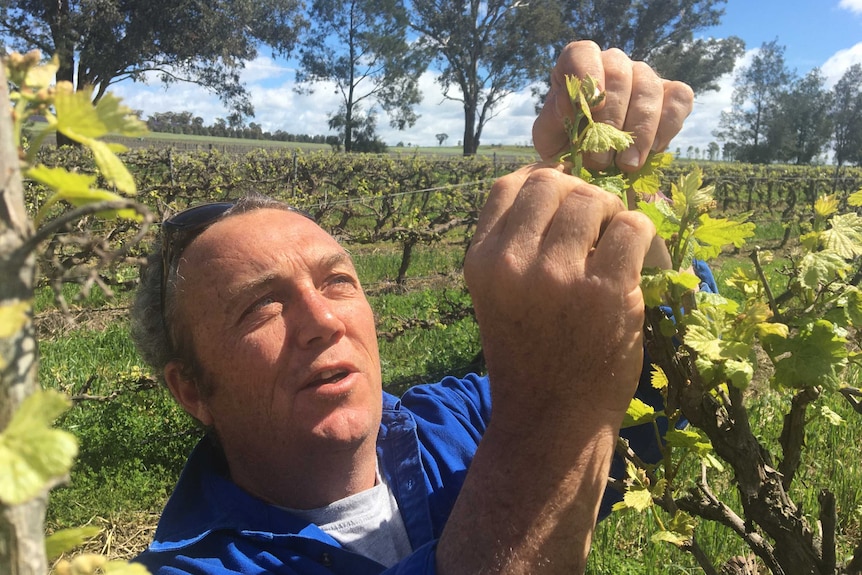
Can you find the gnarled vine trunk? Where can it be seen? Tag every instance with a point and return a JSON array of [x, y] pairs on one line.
[[22, 544]]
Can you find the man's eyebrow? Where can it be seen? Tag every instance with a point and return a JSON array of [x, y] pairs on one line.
[[237, 292], [336, 259]]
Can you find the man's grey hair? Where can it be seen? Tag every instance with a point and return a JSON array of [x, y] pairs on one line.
[[159, 334]]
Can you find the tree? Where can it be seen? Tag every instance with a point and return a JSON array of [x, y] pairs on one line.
[[756, 92], [485, 51], [712, 151], [846, 115], [800, 128], [441, 138], [101, 42], [362, 48], [659, 32], [364, 131]]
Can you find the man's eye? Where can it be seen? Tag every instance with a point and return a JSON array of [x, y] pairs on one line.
[[263, 303]]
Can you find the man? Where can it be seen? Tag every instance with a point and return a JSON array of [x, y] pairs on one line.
[[257, 320]]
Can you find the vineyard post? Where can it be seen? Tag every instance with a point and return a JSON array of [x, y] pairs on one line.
[[22, 544]]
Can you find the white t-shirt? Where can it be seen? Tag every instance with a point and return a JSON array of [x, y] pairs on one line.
[[367, 523]]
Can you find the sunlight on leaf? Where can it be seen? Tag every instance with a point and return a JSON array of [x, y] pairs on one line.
[[658, 378], [66, 540], [639, 413], [13, 317], [844, 235], [825, 206], [32, 453], [638, 498]]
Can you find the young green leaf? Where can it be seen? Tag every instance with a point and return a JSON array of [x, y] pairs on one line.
[[639, 413], [66, 540], [713, 234], [811, 358], [844, 235], [32, 453]]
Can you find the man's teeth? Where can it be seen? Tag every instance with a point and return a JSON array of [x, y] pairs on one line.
[[331, 376]]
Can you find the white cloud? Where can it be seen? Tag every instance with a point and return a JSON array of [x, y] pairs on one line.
[[839, 62], [852, 5]]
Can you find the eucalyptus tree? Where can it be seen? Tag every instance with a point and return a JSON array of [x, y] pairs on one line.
[[486, 50], [361, 48], [801, 129], [755, 102], [846, 115], [101, 42], [659, 32]]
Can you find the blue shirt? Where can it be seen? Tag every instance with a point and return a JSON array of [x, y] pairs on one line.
[[425, 444]]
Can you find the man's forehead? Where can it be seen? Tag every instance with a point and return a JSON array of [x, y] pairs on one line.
[[266, 235]]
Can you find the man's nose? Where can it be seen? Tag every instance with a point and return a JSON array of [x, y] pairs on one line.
[[317, 320]]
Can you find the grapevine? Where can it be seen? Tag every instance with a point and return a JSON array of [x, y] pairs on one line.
[[34, 456], [702, 346]]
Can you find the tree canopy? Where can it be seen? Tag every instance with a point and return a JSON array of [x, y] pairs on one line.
[[757, 88], [485, 51], [361, 47], [846, 115], [101, 42], [659, 32]]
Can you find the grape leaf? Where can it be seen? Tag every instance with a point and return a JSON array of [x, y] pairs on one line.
[[819, 268], [658, 378], [81, 120], [688, 439], [853, 306], [84, 122], [65, 540], [721, 232], [808, 359], [687, 195], [42, 76], [639, 413], [32, 453], [599, 137], [647, 180], [76, 189], [844, 236], [661, 215], [679, 529], [637, 498], [825, 206]]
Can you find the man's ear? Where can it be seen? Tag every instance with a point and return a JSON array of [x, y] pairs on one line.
[[186, 392]]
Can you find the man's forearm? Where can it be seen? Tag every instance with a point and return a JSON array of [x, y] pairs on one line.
[[530, 501]]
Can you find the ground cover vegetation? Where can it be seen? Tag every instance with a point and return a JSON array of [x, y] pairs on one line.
[[408, 222]]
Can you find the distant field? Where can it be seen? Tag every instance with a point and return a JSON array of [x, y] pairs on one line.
[[234, 145]]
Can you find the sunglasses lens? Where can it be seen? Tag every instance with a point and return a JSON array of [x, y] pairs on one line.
[[196, 216]]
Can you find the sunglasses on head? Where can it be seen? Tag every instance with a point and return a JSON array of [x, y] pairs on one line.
[[180, 229]]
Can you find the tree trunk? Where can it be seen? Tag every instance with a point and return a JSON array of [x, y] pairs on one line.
[[471, 144], [22, 540]]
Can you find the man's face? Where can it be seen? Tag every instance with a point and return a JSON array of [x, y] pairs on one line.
[[285, 336]]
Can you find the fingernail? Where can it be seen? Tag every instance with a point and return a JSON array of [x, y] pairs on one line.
[[603, 159], [630, 157]]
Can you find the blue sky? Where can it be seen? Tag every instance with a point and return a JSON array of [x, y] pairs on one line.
[[815, 33]]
